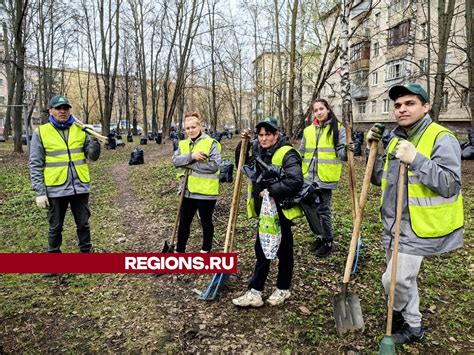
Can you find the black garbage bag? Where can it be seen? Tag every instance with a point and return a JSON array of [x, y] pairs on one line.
[[159, 138], [136, 157], [112, 141], [308, 205], [226, 171], [175, 144], [129, 137], [143, 141], [358, 139], [468, 153]]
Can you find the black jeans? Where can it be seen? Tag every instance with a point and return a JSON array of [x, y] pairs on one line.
[[188, 210], [81, 212], [324, 211], [285, 259]]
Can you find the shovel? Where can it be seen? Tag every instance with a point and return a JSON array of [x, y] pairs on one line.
[[169, 248], [347, 310], [219, 278], [387, 346]]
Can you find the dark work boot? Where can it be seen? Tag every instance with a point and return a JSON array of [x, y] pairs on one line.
[[318, 243], [324, 250], [408, 335]]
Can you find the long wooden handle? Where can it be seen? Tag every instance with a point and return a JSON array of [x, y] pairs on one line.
[[234, 208], [91, 132], [352, 175], [398, 221], [180, 203], [360, 214]]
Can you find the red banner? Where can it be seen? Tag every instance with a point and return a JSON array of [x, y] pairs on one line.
[[122, 263]]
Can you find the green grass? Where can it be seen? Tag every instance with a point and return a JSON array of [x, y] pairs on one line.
[[121, 313]]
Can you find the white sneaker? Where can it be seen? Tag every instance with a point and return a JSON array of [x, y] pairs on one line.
[[250, 298], [278, 297]]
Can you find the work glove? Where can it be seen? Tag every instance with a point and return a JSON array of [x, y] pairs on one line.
[[405, 151], [375, 133], [42, 201], [350, 146]]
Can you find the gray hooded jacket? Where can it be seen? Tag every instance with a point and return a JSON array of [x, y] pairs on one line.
[[205, 167], [442, 174]]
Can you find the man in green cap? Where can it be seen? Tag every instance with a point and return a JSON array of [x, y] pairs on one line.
[[59, 172], [432, 217]]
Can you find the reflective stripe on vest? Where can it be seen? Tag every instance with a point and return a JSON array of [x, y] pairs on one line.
[[329, 166], [431, 215], [60, 155], [200, 183], [290, 213]]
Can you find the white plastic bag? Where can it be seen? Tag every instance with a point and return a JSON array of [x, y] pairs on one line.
[[269, 229]]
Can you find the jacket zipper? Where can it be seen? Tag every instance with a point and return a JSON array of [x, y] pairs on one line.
[[70, 163]]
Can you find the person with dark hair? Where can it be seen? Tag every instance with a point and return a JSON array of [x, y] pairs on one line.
[[323, 149], [200, 154], [59, 172], [432, 218], [274, 150]]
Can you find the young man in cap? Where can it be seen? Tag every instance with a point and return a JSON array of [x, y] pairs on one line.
[[59, 172], [273, 149], [432, 217]]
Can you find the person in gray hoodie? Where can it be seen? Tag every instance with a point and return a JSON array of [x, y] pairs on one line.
[[200, 154], [432, 217], [59, 172]]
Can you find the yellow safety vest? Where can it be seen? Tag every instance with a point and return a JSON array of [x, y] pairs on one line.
[[431, 215], [290, 213], [200, 183], [61, 155], [329, 166]]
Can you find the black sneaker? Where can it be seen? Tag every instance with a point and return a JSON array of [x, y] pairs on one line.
[[324, 250], [408, 335], [318, 243]]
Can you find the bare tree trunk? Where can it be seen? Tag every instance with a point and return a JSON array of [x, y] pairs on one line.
[[445, 18], [211, 14], [19, 57], [291, 88], [281, 82], [11, 83], [470, 55]]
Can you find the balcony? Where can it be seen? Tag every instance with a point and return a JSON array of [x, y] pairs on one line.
[[360, 64], [359, 92], [360, 8]]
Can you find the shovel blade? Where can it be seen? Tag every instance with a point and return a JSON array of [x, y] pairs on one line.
[[387, 346], [348, 313], [168, 248]]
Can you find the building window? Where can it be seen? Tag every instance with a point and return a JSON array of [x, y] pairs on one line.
[[361, 107], [424, 31], [2, 100], [374, 106], [399, 34], [376, 49], [360, 51], [424, 66], [386, 105], [375, 78], [377, 19], [444, 102], [1, 82], [394, 70], [465, 98]]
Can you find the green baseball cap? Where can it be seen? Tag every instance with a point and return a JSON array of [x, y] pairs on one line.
[[408, 89], [269, 121], [59, 100]]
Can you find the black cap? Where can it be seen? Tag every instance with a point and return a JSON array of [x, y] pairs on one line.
[[269, 121]]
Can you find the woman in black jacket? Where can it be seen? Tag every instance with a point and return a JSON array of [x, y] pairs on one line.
[[274, 151]]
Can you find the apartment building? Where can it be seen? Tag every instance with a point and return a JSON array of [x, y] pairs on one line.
[[393, 42]]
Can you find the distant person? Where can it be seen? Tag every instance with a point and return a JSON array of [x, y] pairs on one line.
[[59, 172], [201, 154], [432, 217], [323, 150]]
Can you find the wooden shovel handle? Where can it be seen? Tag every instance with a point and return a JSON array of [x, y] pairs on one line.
[[180, 204], [91, 132], [398, 221], [360, 214], [352, 176], [234, 208]]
